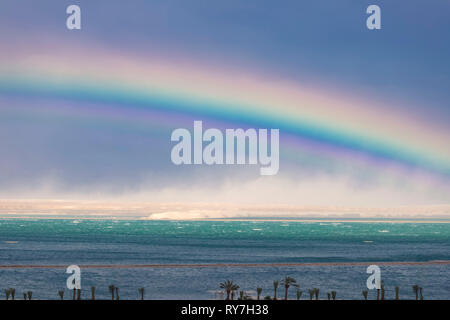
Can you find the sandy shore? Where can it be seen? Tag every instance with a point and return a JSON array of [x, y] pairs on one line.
[[227, 265]]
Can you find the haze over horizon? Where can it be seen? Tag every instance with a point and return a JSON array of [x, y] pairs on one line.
[[114, 209]]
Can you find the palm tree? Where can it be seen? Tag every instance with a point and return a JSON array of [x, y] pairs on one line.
[[275, 287], [92, 293], [117, 293], [421, 296], [111, 288], [382, 290], [311, 293], [364, 293], [287, 282], [416, 291], [234, 288], [74, 293], [397, 290], [7, 293], [78, 294], [241, 295], [329, 295], [299, 294], [316, 292], [61, 294], [141, 292], [229, 287], [13, 293], [24, 296], [258, 292], [30, 295], [333, 295]]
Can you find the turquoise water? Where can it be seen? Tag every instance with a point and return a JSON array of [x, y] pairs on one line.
[[66, 242]]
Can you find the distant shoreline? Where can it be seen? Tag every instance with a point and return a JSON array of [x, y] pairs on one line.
[[250, 219], [338, 220]]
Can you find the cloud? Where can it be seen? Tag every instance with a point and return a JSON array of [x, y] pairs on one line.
[[292, 189], [52, 148]]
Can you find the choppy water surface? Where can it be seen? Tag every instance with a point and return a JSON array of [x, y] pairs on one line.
[[65, 242]]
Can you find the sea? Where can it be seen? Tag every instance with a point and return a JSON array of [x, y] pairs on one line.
[[64, 242]]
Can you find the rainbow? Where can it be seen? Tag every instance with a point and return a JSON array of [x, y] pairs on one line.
[[334, 120]]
